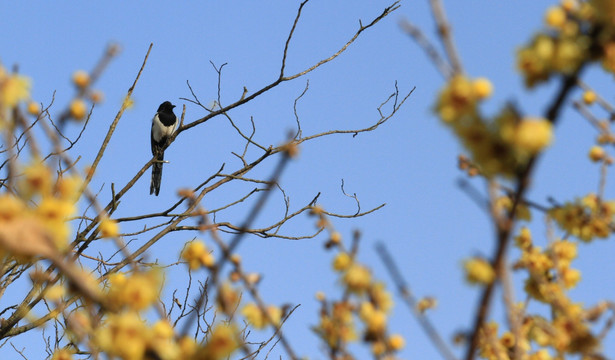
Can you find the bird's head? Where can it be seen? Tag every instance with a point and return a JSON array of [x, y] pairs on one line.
[[166, 107]]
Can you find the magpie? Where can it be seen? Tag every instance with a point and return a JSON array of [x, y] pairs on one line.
[[163, 125]]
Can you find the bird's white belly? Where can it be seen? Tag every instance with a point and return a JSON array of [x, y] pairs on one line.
[[159, 130]]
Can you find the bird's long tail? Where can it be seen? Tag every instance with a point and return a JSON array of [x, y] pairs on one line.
[[156, 175]]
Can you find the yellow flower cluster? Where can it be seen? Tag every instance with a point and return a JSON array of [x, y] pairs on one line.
[[550, 276], [62, 354], [126, 336], [78, 109], [227, 298], [136, 291], [491, 346], [336, 326], [504, 205], [587, 218], [550, 273], [196, 255], [568, 332], [258, 318], [14, 88], [34, 221], [108, 228], [497, 148], [368, 301], [577, 33], [479, 271], [459, 99]]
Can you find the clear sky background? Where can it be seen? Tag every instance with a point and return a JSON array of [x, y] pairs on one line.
[[409, 163]]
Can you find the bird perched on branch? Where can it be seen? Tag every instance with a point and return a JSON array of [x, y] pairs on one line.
[[163, 126]]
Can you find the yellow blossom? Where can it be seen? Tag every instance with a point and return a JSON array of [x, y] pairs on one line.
[[536, 261], [77, 109], [34, 108], [222, 343], [228, 298], [37, 180], [457, 99], [337, 327], [508, 339], [342, 261], [505, 203], [67, 187], [425, 304], [137, 291], [482, 88], [524, 239], [11, 208], [357, 278], [54, 214], [123, 335], [589, 97], [381, 298], [533, 135], [161, 340], [194, 253], [55, 293], [479, 271], [259, 319], [378, 348], [542, 354], [396, 342], [534, 61], [62, 354], [555, 16], [187, 347], [335, 238], [13, 89], [108, 228], [564, 250], [596, 153], [569, 5], [81, 79], [570, 277]]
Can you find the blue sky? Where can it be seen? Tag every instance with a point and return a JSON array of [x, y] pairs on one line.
[[409, 163]]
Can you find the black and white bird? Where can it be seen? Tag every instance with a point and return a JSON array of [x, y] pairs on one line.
[[163, 126]]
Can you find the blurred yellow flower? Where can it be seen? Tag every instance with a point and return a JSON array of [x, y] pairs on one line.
[[222, 343], [123, 335], [357, 278], [589, 97], [555, 16], [533, 135], [34, 108], [195, 253], [257, 318], [37, 180], [482, 88], [396, 342], [596, 153], [77, 109], [81, 79], [13, 89], [62, 354], [342, 261], [108, 228], [137, 291], [479, 271]]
